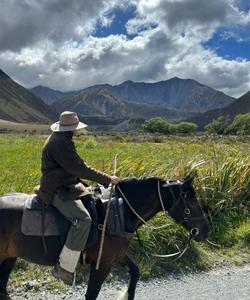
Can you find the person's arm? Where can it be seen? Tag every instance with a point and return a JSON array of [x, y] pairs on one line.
[[66, 156]]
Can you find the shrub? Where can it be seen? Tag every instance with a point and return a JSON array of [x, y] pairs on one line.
[[156, 125], [185, 127], [240, 125], [217, 125]]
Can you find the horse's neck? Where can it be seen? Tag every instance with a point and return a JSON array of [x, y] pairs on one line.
[[146, 205]]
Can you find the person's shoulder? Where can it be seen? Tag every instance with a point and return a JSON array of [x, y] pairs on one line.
[[62, 140], [55, 139]]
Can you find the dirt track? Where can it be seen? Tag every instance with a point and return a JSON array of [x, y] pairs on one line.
[[226, 284]]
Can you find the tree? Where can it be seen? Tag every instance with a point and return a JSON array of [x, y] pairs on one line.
[[162, 126], [156, 125], [185, 127], [240, 125], [217, 125]]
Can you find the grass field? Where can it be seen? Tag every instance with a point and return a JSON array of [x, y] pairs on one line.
[[13, 127], [222, 166]]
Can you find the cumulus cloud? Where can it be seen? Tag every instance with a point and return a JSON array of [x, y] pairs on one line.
[[52, 43], [23, 23]]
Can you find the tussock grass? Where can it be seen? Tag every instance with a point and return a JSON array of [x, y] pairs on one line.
[[222, 167]]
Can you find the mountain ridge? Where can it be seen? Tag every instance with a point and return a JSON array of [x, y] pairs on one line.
[[47, 94], [20, 105], [185, 96], [239, 106], [99, 101], [175, 93]]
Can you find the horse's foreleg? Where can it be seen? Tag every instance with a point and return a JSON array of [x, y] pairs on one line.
[[6, 267], [96, 279], [134, 276]]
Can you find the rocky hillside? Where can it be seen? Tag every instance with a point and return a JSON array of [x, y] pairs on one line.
[[99, 101], [176, 94], [239, 106], [180, 94], [20, 105], [48, 95]]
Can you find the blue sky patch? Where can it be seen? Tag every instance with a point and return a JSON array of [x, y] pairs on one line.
[[243, 5], [231, 43], [119, 18]]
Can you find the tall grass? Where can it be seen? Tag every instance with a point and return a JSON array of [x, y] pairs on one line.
[[222, 183]]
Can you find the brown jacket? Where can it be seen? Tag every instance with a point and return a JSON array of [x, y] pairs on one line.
[[62, 167]]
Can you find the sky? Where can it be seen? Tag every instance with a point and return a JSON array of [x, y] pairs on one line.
[[69, 45]]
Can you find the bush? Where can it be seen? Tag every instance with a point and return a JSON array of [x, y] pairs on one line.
[[185, 127], [217, 125], [156, 125], [240, 125]]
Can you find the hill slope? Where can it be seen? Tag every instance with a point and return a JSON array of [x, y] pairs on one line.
[[174, 94], [239, 106], [48, 95], [20, 105], [179, 94], [100, 102]]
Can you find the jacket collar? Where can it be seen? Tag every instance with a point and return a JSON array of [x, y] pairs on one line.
[[67, 134]]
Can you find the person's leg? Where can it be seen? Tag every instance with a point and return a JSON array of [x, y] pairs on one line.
[[77, 236]]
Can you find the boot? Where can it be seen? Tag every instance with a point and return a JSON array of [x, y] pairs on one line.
[[65, 269], [67, 277]]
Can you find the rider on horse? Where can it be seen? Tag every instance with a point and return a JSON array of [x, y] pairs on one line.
[[60, 186]]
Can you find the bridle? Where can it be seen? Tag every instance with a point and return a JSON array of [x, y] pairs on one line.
[[193, 232], [182, 197]]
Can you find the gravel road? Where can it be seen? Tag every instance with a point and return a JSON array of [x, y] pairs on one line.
[[222, 284]]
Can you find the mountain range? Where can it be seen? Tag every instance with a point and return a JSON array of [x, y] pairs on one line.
[[99, 101], [175, 99], [185, 96], [239, 106], [20, 105], [48, 95], [179, 94]]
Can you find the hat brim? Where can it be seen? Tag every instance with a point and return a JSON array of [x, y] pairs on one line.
[[56, 127]]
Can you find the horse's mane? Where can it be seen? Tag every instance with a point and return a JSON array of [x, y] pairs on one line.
[[135, 180]]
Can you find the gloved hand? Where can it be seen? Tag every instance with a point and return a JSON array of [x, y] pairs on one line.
[[115, 180]]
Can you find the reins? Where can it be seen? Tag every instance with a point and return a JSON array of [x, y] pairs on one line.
[[179, 254], [192, 233], [148, 227]]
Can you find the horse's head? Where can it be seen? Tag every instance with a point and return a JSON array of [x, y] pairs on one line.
[[185, 208]]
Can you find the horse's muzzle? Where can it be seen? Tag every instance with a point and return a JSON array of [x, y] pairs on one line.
[[200, 234]]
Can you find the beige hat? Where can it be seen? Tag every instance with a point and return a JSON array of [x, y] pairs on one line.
[[68, 122]]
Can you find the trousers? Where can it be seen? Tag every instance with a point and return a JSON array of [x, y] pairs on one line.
[[77, 214]]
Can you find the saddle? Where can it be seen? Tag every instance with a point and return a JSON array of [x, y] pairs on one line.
[[38, 220]]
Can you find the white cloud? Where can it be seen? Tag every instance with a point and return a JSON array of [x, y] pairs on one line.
[[50, 43]]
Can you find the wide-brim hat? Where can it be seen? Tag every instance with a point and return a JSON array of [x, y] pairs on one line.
[[68, 121]]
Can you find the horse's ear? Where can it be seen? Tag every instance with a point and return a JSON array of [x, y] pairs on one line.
[[187, 181]]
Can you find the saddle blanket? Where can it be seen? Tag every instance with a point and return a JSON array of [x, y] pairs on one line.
[[54, 223], [32, 219]]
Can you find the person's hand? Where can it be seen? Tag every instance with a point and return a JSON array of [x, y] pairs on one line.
[[115, 180]]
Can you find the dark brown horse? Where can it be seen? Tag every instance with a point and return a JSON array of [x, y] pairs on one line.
[[146, 197]]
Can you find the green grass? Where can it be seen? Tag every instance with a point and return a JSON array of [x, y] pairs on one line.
[[24, 128], [222, 166]]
